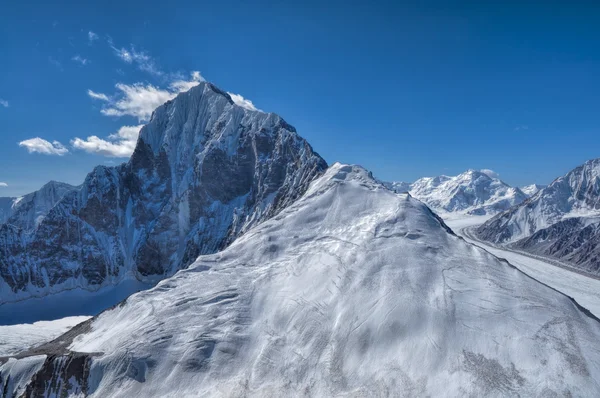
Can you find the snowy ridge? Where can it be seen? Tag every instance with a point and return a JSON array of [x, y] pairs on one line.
[[532, 189], [204, 171], [352, 290], [561, 220], [472, 192], [28, 211]]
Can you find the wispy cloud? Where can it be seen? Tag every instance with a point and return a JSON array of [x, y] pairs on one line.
[[521, 128], [56, 63], [4, 103], [80, 60], [99, 96], [140, 100], [40, 145], [3, 185], [243, 102], [92, 37], [118, 145], [143, 61], [490, 173]]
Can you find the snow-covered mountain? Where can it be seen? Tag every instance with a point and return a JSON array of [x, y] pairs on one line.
[[532, 189], [561, 220], [472, 192], [204, 171], [28, 211], [353, 290]]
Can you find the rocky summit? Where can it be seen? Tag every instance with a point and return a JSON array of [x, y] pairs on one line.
[[204, 171]]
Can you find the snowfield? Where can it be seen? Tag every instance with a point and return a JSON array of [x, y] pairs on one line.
[[17, 338], [353, 290]]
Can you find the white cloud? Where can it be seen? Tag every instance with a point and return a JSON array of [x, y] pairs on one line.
[[140, 100], [143, 61], [123, 54], [99, 96], [118, 145], [490, 173], [3, 185], [92, 37], [137, 100], [4, 103], [40, 145], [56, 63], [243, 102], [181, 85], [79, 59]]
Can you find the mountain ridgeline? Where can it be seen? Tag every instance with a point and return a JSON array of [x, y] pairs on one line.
[[472, 192], [561, 220], [204, 171]]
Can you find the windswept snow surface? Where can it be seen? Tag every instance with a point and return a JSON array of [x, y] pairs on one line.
[[17, 338], [351, 291], [584, 289]]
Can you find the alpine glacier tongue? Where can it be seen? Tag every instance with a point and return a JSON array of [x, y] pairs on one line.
[[352, 290], [204, 171], [561, 220]]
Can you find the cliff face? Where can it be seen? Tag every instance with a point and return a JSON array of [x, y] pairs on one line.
[[203, 172]]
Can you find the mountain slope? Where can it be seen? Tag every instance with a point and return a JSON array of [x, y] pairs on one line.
[[353, 290], [204, 171], [29, 210], [561, 221], [532, 189], [472, 192], [6, 204]]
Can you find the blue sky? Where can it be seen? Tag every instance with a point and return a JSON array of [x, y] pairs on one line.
[[404, 89]]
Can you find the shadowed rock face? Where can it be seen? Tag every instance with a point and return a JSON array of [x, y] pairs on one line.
[[203, 172]]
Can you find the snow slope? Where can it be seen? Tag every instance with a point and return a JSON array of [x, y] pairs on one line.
[[472, 192], [204, 171], [29, 210], [584, 289], [560, 221], [353, 290], [17, 338], [532, 189]]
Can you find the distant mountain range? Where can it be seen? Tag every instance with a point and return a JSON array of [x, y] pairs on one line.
[[561, 220], [472, 192]]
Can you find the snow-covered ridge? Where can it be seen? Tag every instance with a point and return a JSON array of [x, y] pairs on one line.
[[204, 171], [352, 290], [472, 192], [532, 189], [561, 220], [28, 211]]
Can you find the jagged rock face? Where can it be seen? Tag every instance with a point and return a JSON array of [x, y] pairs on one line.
[[203, 172], [471, 192], [560, 221], [28, 211]]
